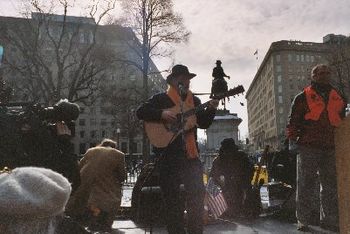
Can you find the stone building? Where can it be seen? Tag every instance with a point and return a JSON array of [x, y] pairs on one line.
[[283, 73], [96, 120]]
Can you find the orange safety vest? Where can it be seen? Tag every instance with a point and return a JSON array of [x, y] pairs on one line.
[[316, 106]]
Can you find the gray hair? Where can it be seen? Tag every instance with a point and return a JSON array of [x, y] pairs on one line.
[[315, 69]]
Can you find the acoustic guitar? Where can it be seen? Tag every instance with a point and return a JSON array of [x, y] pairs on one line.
[[161, 134]]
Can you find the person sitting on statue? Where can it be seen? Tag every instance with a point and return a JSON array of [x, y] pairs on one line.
[[218, 71], [219, 84]]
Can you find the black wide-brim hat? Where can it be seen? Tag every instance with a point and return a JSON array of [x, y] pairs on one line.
[[228, 143], [178, 70]]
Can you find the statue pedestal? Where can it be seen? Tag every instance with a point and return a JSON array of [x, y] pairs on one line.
[[342, 151]]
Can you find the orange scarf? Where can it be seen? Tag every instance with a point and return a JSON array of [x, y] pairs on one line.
[[191, 147]]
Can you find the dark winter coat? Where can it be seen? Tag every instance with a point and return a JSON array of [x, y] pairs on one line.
[[319, 133]]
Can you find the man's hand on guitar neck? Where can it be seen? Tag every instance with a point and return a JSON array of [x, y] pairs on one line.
[[168, 116], [213, 104]]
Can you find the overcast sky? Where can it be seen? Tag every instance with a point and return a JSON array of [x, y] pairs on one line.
[[232, 30]]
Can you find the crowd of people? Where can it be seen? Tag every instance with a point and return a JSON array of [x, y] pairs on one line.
[[40, 200]]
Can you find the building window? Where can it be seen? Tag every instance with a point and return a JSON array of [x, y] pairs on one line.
[[82, 109], [124, 147], [103, 122], [297, 57], [92, 110], [134, 147], [81, 37], [302, 58], [132, 77], [93, 133], [279, 78], [92, 122], [281, 110], [103, 133], [81, 122], [139, 147], [307, 58], [290, 58], [82, 148], [103, 110], [82, 134], [312, 58], [278, 58], [280, 100], [280, 88], [91, 38], [278, 68]]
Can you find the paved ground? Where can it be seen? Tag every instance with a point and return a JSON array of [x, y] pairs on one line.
[[262, 225]]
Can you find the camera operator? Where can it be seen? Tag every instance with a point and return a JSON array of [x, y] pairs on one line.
[[40, 137]]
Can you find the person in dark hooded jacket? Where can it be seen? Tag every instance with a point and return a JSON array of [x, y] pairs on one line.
[[232, 171]]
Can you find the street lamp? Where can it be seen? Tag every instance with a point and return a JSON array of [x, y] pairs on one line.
[[118, 135]]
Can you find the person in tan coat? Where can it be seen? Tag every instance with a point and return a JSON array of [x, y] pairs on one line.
[[98, 198]]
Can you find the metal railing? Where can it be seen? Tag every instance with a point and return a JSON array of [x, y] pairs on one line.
[[134, 166]]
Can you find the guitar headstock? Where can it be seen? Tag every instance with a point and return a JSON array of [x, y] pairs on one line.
[[231, 92]]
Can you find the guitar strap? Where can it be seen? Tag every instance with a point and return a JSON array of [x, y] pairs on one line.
[[190, 140]]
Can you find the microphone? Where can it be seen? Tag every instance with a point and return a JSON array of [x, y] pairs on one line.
[[182, 91]]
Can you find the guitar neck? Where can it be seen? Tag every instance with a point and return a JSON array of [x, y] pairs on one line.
[[196, 109], [237, 90]]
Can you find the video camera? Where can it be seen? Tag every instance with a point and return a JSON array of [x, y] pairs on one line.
[[63, 110], [29, 137]]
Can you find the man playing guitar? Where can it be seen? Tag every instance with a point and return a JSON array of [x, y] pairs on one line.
[[179, 163]]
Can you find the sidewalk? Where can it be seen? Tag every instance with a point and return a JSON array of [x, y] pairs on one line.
[[261, 225]]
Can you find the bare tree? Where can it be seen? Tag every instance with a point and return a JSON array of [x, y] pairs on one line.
[[339, 59], [122, 99], [156, 26], [56, 56]]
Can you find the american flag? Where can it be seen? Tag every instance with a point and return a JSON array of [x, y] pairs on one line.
[[216, 201]]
